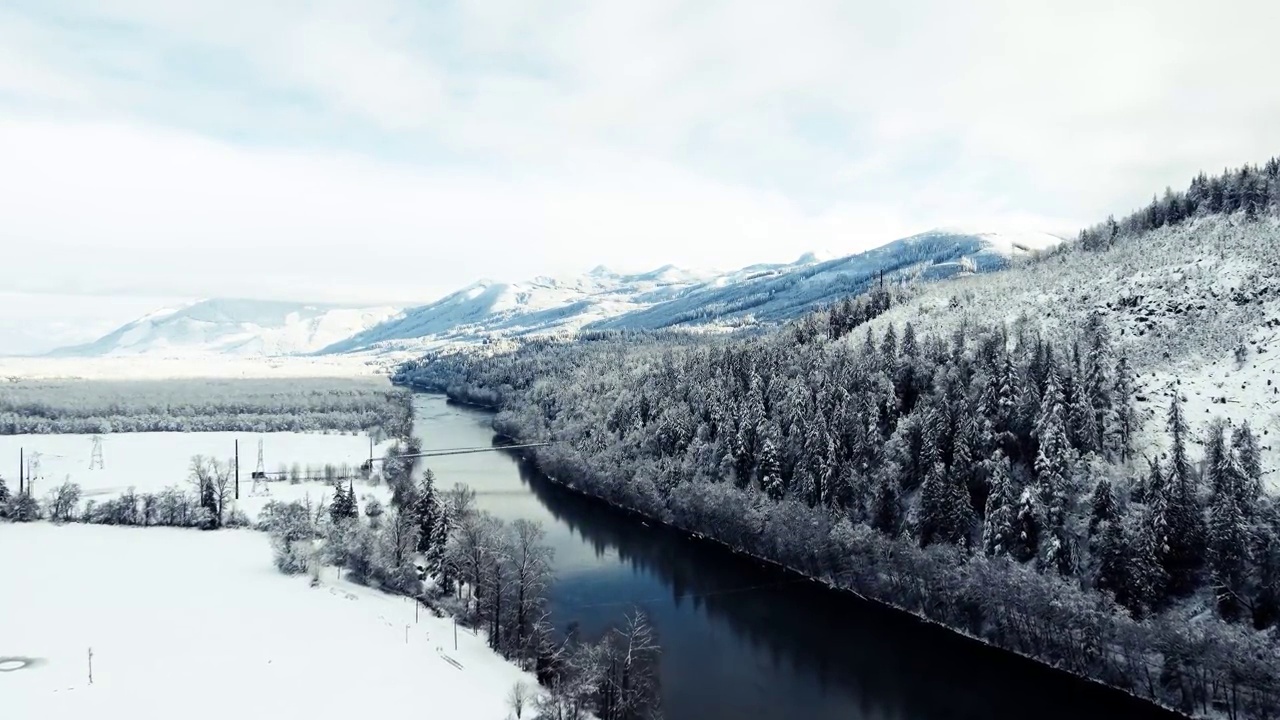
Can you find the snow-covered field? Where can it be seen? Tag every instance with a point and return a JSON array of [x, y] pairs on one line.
[[205, 366], [191, 624], [150, 462]]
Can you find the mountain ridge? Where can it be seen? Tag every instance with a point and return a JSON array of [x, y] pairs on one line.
[[487, 309]]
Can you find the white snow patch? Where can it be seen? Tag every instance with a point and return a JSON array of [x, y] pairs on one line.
[[200, 625]]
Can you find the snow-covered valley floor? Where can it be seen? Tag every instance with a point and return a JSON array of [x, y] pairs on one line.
[[150, 462], [191, 624]]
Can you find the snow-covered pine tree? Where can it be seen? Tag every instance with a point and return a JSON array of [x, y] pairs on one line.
[[1245, 446], [1181, 550], [4, 496], [1054, 476], [1097, 379], [1078, 418], [770, 472], [1124, 421], [1147, 578], [426, 511], [945, 511], [999, 528], [1102, 506], [1228, 533], [1028, 526], [1114, 572], [885, 510], [338, 507], [1228, 545]]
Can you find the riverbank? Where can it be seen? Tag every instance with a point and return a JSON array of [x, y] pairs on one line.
[[1128, 704], [1120, 701]]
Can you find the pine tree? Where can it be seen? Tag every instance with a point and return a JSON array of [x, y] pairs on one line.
[[1180, 467], [1081, 425], [1124, 421], [1182, 544], [426, 511], [1114, 572], [209, 501], [1027, 525], [1228, 547], [1103, 506], [884, 505], [945, 512], [338, 508], [1245, 446], [1147, 578], [999, 529], [4, 495], [770, 472], [1053, 461]]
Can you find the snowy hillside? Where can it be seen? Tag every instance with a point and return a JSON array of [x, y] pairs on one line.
[[489, 309], [775, 293], [225, 327], [1196, 307], [669, 296]]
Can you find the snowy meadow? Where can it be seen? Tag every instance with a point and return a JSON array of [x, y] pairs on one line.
[[152, 462], [170, 613]]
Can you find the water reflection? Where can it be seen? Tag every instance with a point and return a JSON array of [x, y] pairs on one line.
[[744, 641]]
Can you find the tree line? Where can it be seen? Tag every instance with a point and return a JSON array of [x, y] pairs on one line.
[[304, 405], [988, 479], [1251, 190], [491, 575]]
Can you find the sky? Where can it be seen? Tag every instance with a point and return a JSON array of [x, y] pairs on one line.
[[388, 151]]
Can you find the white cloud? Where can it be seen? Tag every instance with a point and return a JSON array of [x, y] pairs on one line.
[[378, 151]]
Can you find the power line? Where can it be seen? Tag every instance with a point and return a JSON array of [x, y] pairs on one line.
[[460, 451]]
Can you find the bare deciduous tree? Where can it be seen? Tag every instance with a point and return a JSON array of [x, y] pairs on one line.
[[518, 698]]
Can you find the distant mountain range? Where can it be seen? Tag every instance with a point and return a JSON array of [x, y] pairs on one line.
[[234, 327], [667, 297]]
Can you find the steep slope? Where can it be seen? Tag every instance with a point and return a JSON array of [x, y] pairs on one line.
[[233, 327], [1195, 307], [776, 293]]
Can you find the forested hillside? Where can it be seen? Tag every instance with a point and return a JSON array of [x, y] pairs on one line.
[[1013, 456]]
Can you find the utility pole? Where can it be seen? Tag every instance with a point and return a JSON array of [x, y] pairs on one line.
[[455, 633], [237, 468], [22, 468]]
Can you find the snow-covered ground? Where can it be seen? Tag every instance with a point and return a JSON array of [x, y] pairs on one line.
[[1180, 302], [150, 462], [147, 367], [191, 624]]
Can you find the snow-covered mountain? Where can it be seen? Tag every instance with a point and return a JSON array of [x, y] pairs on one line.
[[777, 293], [671, 297], [489, 309], [233, 327]]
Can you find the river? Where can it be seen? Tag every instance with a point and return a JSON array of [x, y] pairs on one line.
[[742, 641]]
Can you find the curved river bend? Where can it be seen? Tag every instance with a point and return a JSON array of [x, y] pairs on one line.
[[740, 641]]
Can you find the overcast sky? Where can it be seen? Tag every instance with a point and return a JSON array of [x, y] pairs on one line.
[[387, 150]]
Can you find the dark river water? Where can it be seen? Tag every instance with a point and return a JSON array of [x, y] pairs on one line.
[[741, 641]]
